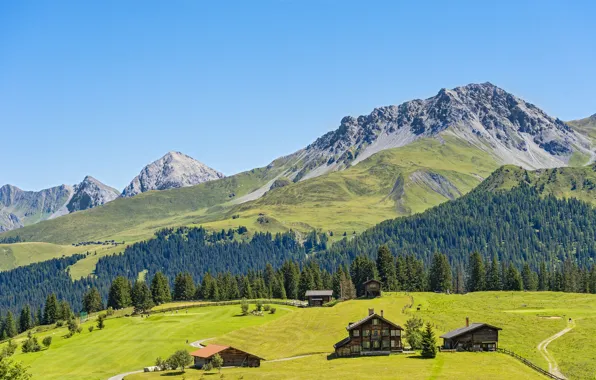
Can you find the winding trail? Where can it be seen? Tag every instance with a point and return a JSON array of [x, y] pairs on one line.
[[552, 363], [121, 376], [199, 343]]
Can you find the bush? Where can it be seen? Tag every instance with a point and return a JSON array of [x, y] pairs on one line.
[[272, 310], [101, 321], [413, 332], [59, 324], [208, 366], [47, 341], [8, 350], [90, 328], [217, 362], [266, 307], [244, 306], [161, 364], [110, 311], [31, 344], [259, 306]]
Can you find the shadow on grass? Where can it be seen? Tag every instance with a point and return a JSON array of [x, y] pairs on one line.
[[419, 357], [177, 373]]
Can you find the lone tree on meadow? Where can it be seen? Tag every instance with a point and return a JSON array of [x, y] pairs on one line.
[[47, 341], [179, 359], [429, 342], [101, 321], [217, 362]]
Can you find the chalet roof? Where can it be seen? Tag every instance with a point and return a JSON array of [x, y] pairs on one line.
[[371, 280], [342, 342], [318, 293], [467, 329], [212, 349], [368, 318]]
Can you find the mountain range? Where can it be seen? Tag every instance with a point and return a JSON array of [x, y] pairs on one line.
[[397, 160]]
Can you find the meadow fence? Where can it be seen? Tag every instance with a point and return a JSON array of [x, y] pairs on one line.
[[529, 363]]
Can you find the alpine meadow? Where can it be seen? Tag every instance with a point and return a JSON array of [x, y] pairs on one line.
[[448, 236]]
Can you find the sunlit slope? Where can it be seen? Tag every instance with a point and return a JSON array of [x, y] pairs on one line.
[[394, 182]]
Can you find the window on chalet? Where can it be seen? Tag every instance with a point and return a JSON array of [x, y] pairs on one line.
[[365, 332], [375, 321], [356, 333], [385, 332], [375, 333], [395, 333], [365, 345], [355, 349], [385, 343], [392, 343], [376, 344]]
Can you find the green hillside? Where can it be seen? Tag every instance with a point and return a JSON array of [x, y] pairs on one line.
[[586, 126], [393, 182], [131, 343]]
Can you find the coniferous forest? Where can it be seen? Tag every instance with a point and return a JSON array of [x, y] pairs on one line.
[[509, 240]]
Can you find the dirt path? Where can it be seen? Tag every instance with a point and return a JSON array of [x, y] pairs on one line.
[[198, 343], [552, 363], [121, 376], [290, 358]]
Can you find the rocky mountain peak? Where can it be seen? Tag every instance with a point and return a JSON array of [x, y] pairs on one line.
[[173, 170], [505, 126], [90, 193]]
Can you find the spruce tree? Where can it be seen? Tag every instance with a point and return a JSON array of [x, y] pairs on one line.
[[246, 291], [543, 280], [50, 311], [119, 296], [64, 310], [476, 273], [362, 269], [440, 274], [513, 279], [306, 283], [429, 342], [25, 322], [10, 327], [184, 287], [493, 276], [528, 277], [160, 289], [92, 301], [386, 269], [142, 299]]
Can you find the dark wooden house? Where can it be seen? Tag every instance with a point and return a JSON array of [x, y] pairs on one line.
[[373, 335], [372, 288], [232, 357], [472, 337], [318, 297]]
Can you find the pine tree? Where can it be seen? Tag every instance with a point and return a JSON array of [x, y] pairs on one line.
[[119, 296], [25, 322], [476, 273], [160, 289], [513, 279], [92, 301], [528, 278], [440, 273], [142, 299], [64, 311], [429, 342], [543, 279], [493, 276], [269, 277], [246, 291], [50, 311], [306, 283], [184, 287], [347, 286], [10, 327], [362, 269], [386, 269], [400, 272]]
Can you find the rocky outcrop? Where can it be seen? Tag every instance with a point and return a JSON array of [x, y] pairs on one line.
[[171, 171], [510, 129]]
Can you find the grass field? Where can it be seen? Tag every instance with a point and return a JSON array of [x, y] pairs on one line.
[[131, 343], [19, 254]]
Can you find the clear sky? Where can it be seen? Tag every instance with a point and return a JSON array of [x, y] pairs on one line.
[[105, 87]]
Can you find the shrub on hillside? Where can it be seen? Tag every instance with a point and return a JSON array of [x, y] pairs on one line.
[[90, 328], [8, 350], [266, 307], [259, 305], [207, 366], [179, 359], [413, 332], [31, 344], [244, 306], [272, 310], [47, 341]]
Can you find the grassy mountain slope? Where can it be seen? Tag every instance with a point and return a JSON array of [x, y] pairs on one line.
[[393, 182], [586, 126], [18, 254]]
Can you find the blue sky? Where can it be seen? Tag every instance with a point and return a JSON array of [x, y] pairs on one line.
[[104, 88]]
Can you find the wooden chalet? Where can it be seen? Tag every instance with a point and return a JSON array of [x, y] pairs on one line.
[[318, 297], [232, 357], [371, 336], [372, 288], [472, 337]]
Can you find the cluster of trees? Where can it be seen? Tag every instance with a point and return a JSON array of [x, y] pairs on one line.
[[53, 312], [11, 240]]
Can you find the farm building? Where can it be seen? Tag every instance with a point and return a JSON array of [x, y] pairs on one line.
[[373, 335], [372, 288], [232, 357], [318, 297], [472, 337]]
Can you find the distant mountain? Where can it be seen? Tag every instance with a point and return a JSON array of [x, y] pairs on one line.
[[173, 170], [19, 208], [91, 193]]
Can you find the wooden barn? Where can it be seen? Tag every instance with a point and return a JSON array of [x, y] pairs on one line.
[[472, 337], [232, 357], [372, 288], [371, 336], [318, 297]]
